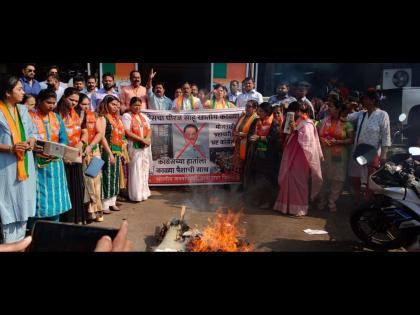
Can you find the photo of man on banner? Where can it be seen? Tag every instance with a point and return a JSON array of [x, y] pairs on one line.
[[189, 145]]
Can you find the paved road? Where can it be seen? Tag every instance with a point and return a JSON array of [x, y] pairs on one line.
[[266, 229]]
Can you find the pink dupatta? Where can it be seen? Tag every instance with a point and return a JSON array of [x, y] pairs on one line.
[[309, 142]]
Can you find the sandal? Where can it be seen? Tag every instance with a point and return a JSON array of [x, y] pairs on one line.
[[114, 208]]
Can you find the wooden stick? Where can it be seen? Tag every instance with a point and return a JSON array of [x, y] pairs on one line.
[[183, 213], [179, 230]]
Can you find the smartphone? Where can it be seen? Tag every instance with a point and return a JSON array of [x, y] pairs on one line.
[[50, 236]]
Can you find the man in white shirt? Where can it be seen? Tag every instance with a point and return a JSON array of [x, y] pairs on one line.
[[249, 94], [52, 70], [234, 91], [53, 83], [186, 101], [108, 89], [91, 86]]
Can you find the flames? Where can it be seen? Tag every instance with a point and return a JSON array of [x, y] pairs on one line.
[[222, 235]]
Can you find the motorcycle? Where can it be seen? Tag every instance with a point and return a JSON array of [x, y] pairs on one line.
[[392, 219]]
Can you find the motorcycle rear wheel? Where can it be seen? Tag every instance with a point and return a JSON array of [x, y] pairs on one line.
[[371, 226]]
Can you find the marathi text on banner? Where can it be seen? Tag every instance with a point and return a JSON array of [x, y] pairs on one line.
[[193, 148]]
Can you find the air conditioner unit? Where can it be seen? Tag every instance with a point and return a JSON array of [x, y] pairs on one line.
[[396, 78]]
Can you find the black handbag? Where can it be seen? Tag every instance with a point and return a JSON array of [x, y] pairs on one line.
[[369, 152]]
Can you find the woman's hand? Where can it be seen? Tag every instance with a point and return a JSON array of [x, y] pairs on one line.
[[112, 159], [293, 126], [146, 141], [325, 141], [254, 138], [88, 150], [38, 148], [31, 143], [88, 158], [79, 146], [21, 147]]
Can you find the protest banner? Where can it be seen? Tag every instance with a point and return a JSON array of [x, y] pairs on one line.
[[192, 148]]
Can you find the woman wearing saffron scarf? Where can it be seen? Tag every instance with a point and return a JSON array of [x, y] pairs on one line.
[[336, 135], [52, 193], [301, 159], [112, 144], [66, 108], [95, 131], [262, 162], [17, 170], [219, 101], [137, 129], [242, 129]]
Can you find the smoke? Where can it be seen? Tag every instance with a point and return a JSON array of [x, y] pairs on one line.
[[209, 198]]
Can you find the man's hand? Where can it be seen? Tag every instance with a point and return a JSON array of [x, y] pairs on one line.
[[120, 243], [16, 247], [152, 74]]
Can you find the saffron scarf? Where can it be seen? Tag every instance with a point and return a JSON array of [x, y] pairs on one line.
[[179, 102], [243, 126], [140, 128], [18, 135]]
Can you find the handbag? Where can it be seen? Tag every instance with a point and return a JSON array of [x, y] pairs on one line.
[[94, 167], [363, 149]]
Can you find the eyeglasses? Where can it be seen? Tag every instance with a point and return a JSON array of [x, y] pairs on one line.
[[31, 70]]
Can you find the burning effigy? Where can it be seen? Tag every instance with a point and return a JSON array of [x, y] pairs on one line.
[[221, 235]]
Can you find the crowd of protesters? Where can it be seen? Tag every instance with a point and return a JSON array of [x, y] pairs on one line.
[[288, 150]]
